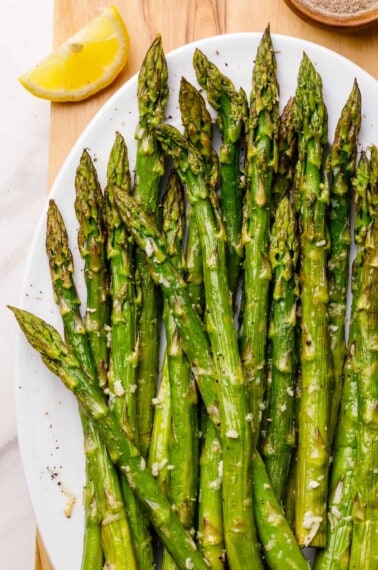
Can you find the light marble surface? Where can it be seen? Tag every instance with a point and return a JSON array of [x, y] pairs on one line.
[[25, 36]]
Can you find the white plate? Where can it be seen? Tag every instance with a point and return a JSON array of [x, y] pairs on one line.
[[49, 428]]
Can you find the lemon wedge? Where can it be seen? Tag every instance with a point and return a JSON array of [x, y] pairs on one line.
[[85, 63]]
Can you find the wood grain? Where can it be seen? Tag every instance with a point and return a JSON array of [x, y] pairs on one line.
[[180, 22]]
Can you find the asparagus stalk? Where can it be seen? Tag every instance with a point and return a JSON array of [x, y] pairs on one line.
[[158, 458], [342, 161], [344, 389], [276, 536], [61, 361], [313, 445], [149, 169], [193, 264], [90, 213], [123, 357], [365, 507], [232, 110], [183, 445], [291, 491], [199, 129], [280, 435], [92, 558], [210, 518], [116, 538], [104, 493], [184, 423], [261, 163], [287, 152], [152, 101], [240, 532], [336, 554], [342, 488]]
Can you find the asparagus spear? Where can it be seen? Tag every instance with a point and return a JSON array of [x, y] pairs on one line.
[[199, 129], [240, 533], [342, 488], [184, 424], [183, 445], [103, 490], [123, 357], [342, 160], [232, 110], [158, 458], [365, 507], [116, 538], [290, 493], [152, 101], [287, 152], [261, 163], [90, 213], [210, 518], [124, 347], [313, 445], [61, 361], [277, 538], [193, 264], [280, 437], [92, 558], [149, 169]]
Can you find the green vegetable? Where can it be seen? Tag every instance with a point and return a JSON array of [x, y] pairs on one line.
[[342, 487], [183, 443], [232, 111], [276, 536], [280, 437], [287, 153], [124, 346], [149, 169], [158, 458], [90, 213], [260, 165], [342, 161], [210, 534], [313, 422], [365, 506]]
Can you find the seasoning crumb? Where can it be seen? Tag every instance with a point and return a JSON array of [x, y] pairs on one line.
[[68, 509]]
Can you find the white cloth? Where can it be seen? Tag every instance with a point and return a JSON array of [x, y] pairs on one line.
[[25, 37]]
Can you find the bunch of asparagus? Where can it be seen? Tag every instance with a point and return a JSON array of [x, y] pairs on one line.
[[255, 433]]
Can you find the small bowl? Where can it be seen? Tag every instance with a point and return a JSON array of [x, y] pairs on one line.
[[322, 17]]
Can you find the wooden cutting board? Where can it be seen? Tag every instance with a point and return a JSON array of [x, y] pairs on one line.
[[179, 22]]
